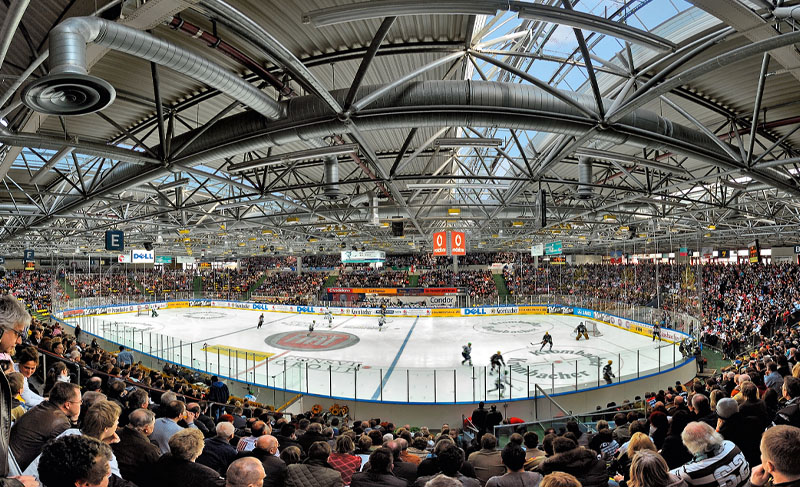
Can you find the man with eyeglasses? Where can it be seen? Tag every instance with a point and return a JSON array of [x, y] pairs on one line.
[[45, 422], [14, 321]]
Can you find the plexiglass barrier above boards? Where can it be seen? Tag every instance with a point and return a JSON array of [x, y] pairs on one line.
[[342, 379]]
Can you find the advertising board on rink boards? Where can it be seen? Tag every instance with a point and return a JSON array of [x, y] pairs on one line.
[[533, 310]]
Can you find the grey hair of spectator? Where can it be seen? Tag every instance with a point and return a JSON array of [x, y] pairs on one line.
[[442, 480], [168, 397], [244, 472], [92, 397], [139, 418], [388, 437], [225, 429], [699, 437], [13, 312]]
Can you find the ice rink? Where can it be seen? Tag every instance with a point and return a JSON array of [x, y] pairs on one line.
[[410, 360]]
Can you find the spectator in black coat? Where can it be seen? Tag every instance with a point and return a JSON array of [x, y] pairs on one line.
[[744, 431], [275, 468], [673, 450], [312, 435], [178, 467], [580, 462], [286, 438], [379, 473], [218, 452], [479, 419], [136, 456]]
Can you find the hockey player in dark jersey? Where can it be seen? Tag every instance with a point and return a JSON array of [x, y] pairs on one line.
[[656, 332], [582, 331], [608, 375], [546, 339], [497, 360]]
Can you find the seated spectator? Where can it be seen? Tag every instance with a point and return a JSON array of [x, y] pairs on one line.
[[649, 469], [379, 473], [488, 462], [560, 479], [514, 459], [17, 384], [167, 426], [312, 435], [314, 470], [257, 429], [790, 413], [343, 460], [449, 461], [44, 422], [533, 455], [621, 432], [711, 452], [218, 453], [622, 464], [265, 451], [673, 451], [135, 454], [245, 472], [581, 463], [753, 406], [743, 431], [75, 460], [286, 437], [27, 362], [780, 458], [178, 467], [291, 455], [365, 448]]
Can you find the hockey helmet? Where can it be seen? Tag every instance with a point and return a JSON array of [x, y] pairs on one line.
[[469, 343], [498, 352], [610, 362]]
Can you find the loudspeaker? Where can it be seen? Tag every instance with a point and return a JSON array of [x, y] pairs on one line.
[[148, 245], [397, 229]]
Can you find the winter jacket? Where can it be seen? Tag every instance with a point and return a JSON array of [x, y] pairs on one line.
[[369, 479], [274, 467], [217, 454], [313, 473], [171, 471], [136, 455], [465, 481], [5, 428], [581, 463], [674, 451], [35, 428], [487, 464], [745, 432], [516, 479]]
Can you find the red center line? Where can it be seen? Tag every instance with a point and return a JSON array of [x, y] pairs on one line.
[[262, 363]]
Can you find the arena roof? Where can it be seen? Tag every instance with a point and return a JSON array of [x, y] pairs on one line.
[[649, 124]]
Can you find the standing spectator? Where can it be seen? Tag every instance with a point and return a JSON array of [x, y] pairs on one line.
[[178, 467], [217, 393], [712, 453], [245, 472], [45, 422], [265, 451], [780, 452], [135, 454], [27, 362], [493, 419], [379, 473], [314, 471], [75, 460], [343, 460], [167, 426], [479, 419], [218, 452], [488, 461], [514, 459], [124, 357]]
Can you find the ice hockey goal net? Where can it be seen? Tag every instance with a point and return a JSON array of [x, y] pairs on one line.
[[593, 330], [142, 311]]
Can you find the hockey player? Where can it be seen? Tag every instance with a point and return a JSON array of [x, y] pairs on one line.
[[496, 361], [582, 331], [382, 310], [329, 318], [466, 352], [381, 322], [311, 327], [546, 339], [260, 321], [500, 384], [656, 332], [153, 313], [608, 375]]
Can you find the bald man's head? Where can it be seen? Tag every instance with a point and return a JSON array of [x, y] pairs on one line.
[[245, 472], [268, 443]]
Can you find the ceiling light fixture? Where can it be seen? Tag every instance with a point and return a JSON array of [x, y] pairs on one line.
[[457, 185], [457, 142], [318, 153]]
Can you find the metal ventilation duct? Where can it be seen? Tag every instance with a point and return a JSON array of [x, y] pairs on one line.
[[70, 90], [585, 178], [331, 191]]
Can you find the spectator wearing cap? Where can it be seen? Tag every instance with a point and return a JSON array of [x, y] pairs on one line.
[[780, 458], [514, 460]]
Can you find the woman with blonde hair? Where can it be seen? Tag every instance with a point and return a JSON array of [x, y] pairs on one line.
[[638, 442], [648, 469]]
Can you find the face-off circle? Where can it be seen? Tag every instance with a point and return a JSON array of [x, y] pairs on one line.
[[510, 327], [110, 326], [318, 340]]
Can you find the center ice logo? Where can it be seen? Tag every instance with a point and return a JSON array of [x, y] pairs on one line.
[[508, 327], [318, 340]]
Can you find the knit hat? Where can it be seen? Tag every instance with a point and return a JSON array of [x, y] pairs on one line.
[[727, 407]]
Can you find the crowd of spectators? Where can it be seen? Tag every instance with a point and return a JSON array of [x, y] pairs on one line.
[[160, 282], [105, 284], [229, 283], [478, 283], [36, 289], [373, 278], [290, 287]]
